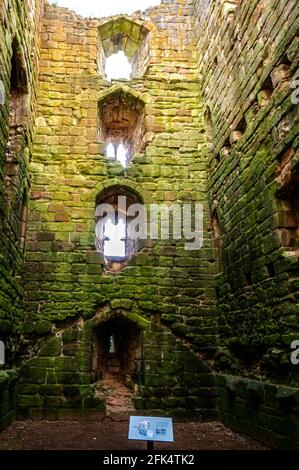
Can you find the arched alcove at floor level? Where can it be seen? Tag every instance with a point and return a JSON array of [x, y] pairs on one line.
[[117, 363], [117, 349]]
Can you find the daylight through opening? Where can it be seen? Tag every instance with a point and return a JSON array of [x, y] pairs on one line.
[[116, 211], [122, 126], [118, 152], [118, 67]]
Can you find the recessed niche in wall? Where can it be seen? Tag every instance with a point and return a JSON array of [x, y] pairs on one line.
[[122, 125], [287, 203], [115, 216], [117, 350], [216, 229], [127, 41], [248, 279], [19, 106], [270, 269], [288, 219]]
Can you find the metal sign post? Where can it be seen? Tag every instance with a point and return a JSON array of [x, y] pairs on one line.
[[150, 446]]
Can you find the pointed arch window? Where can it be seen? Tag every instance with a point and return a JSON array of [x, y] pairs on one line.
[[115, 237], [122, 40], [122, 125]]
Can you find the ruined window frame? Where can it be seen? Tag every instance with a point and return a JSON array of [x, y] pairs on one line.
[[132, 247], [128, 35]]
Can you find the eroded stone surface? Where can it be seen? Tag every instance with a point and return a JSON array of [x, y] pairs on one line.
[[215, 121]]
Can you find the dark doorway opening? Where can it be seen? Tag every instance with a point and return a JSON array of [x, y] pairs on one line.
[[117, 351], [118, 365]]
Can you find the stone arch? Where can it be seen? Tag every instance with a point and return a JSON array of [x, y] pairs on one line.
[[121, 33], [117, 344], [109, 312], [122, 121], [122, 88], [121, 225], [127, 184]]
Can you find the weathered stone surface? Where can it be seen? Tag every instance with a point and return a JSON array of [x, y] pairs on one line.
[[19, 37], [210, 117], [247, 89], [66, 277]]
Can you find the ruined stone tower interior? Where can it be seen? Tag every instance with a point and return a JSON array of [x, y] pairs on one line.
[[209, 116]]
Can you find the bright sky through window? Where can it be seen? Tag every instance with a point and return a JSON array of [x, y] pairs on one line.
[[110, 152], [115, 246], [118, 153], [118, 67], [100, 8], [122, 155]]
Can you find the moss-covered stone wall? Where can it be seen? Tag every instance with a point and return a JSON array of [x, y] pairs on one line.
[[19, 37], [248, 61], [164, 285], [215, 91]]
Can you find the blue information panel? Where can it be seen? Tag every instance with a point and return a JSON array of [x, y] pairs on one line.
[[151, 429]]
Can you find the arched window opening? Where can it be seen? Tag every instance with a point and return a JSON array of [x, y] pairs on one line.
[[121, 155], [118, 67], [112, 348], [123, 48], [110, 151], [122, 126], [119, 219], [117, 151]]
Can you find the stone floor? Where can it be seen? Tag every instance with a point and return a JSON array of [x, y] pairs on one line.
[[112, 435], [118, 398]]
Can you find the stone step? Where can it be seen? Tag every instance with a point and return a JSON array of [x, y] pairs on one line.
[[119, 399]]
